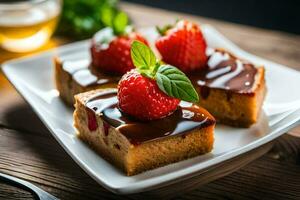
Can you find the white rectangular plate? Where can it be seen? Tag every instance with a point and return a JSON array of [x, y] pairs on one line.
[[33, 78]]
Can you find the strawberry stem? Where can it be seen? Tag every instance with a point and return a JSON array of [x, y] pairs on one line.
[[162, 30]]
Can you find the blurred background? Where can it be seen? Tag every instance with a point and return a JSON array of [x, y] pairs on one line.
[[27, 25], [269, 14]]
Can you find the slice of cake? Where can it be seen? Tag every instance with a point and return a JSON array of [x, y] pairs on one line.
[[143, 125], [76, 76], [231, 89], [110, 53], [136, 146]]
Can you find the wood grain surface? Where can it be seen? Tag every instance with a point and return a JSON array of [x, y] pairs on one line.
[[28, 151]]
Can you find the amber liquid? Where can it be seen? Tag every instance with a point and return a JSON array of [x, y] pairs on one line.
[[27, 37], [27, 27]]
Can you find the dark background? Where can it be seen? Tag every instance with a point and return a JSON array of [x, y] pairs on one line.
[[276, 14]]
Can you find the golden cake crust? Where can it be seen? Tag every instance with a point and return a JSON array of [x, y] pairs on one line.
[[68, 87], [133, 159], [236, 109]]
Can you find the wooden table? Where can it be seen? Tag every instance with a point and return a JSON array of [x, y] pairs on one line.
[[28, 151]]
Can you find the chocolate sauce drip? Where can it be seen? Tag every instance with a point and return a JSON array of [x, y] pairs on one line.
[[225, 71], [87, 75], [186, 118]]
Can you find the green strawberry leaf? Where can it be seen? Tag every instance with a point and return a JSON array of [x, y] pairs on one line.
[[143, 57], [162, 30], [175, 83], [107, 15], [119, 23]]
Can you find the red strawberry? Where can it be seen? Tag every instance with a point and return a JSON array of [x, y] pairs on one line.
[[140, 97], [153, 90], [183, 46], [115, 56]]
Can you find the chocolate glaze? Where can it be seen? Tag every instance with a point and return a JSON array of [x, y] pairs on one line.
[[225, 71], [86, 75], [186, 118]]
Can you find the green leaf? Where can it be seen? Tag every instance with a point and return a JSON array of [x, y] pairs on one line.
[[163, 30], [142, 56], [120, 22], [175, 83], [107, 15]]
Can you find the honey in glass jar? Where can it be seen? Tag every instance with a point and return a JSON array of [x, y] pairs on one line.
[[27, 25]]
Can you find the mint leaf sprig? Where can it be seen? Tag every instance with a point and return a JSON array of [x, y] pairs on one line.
[[144, 59], [116, 26], [119, 23], [169, 79], [117, 20]]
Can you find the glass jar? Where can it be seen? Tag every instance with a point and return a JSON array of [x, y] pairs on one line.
[[27, 25]]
